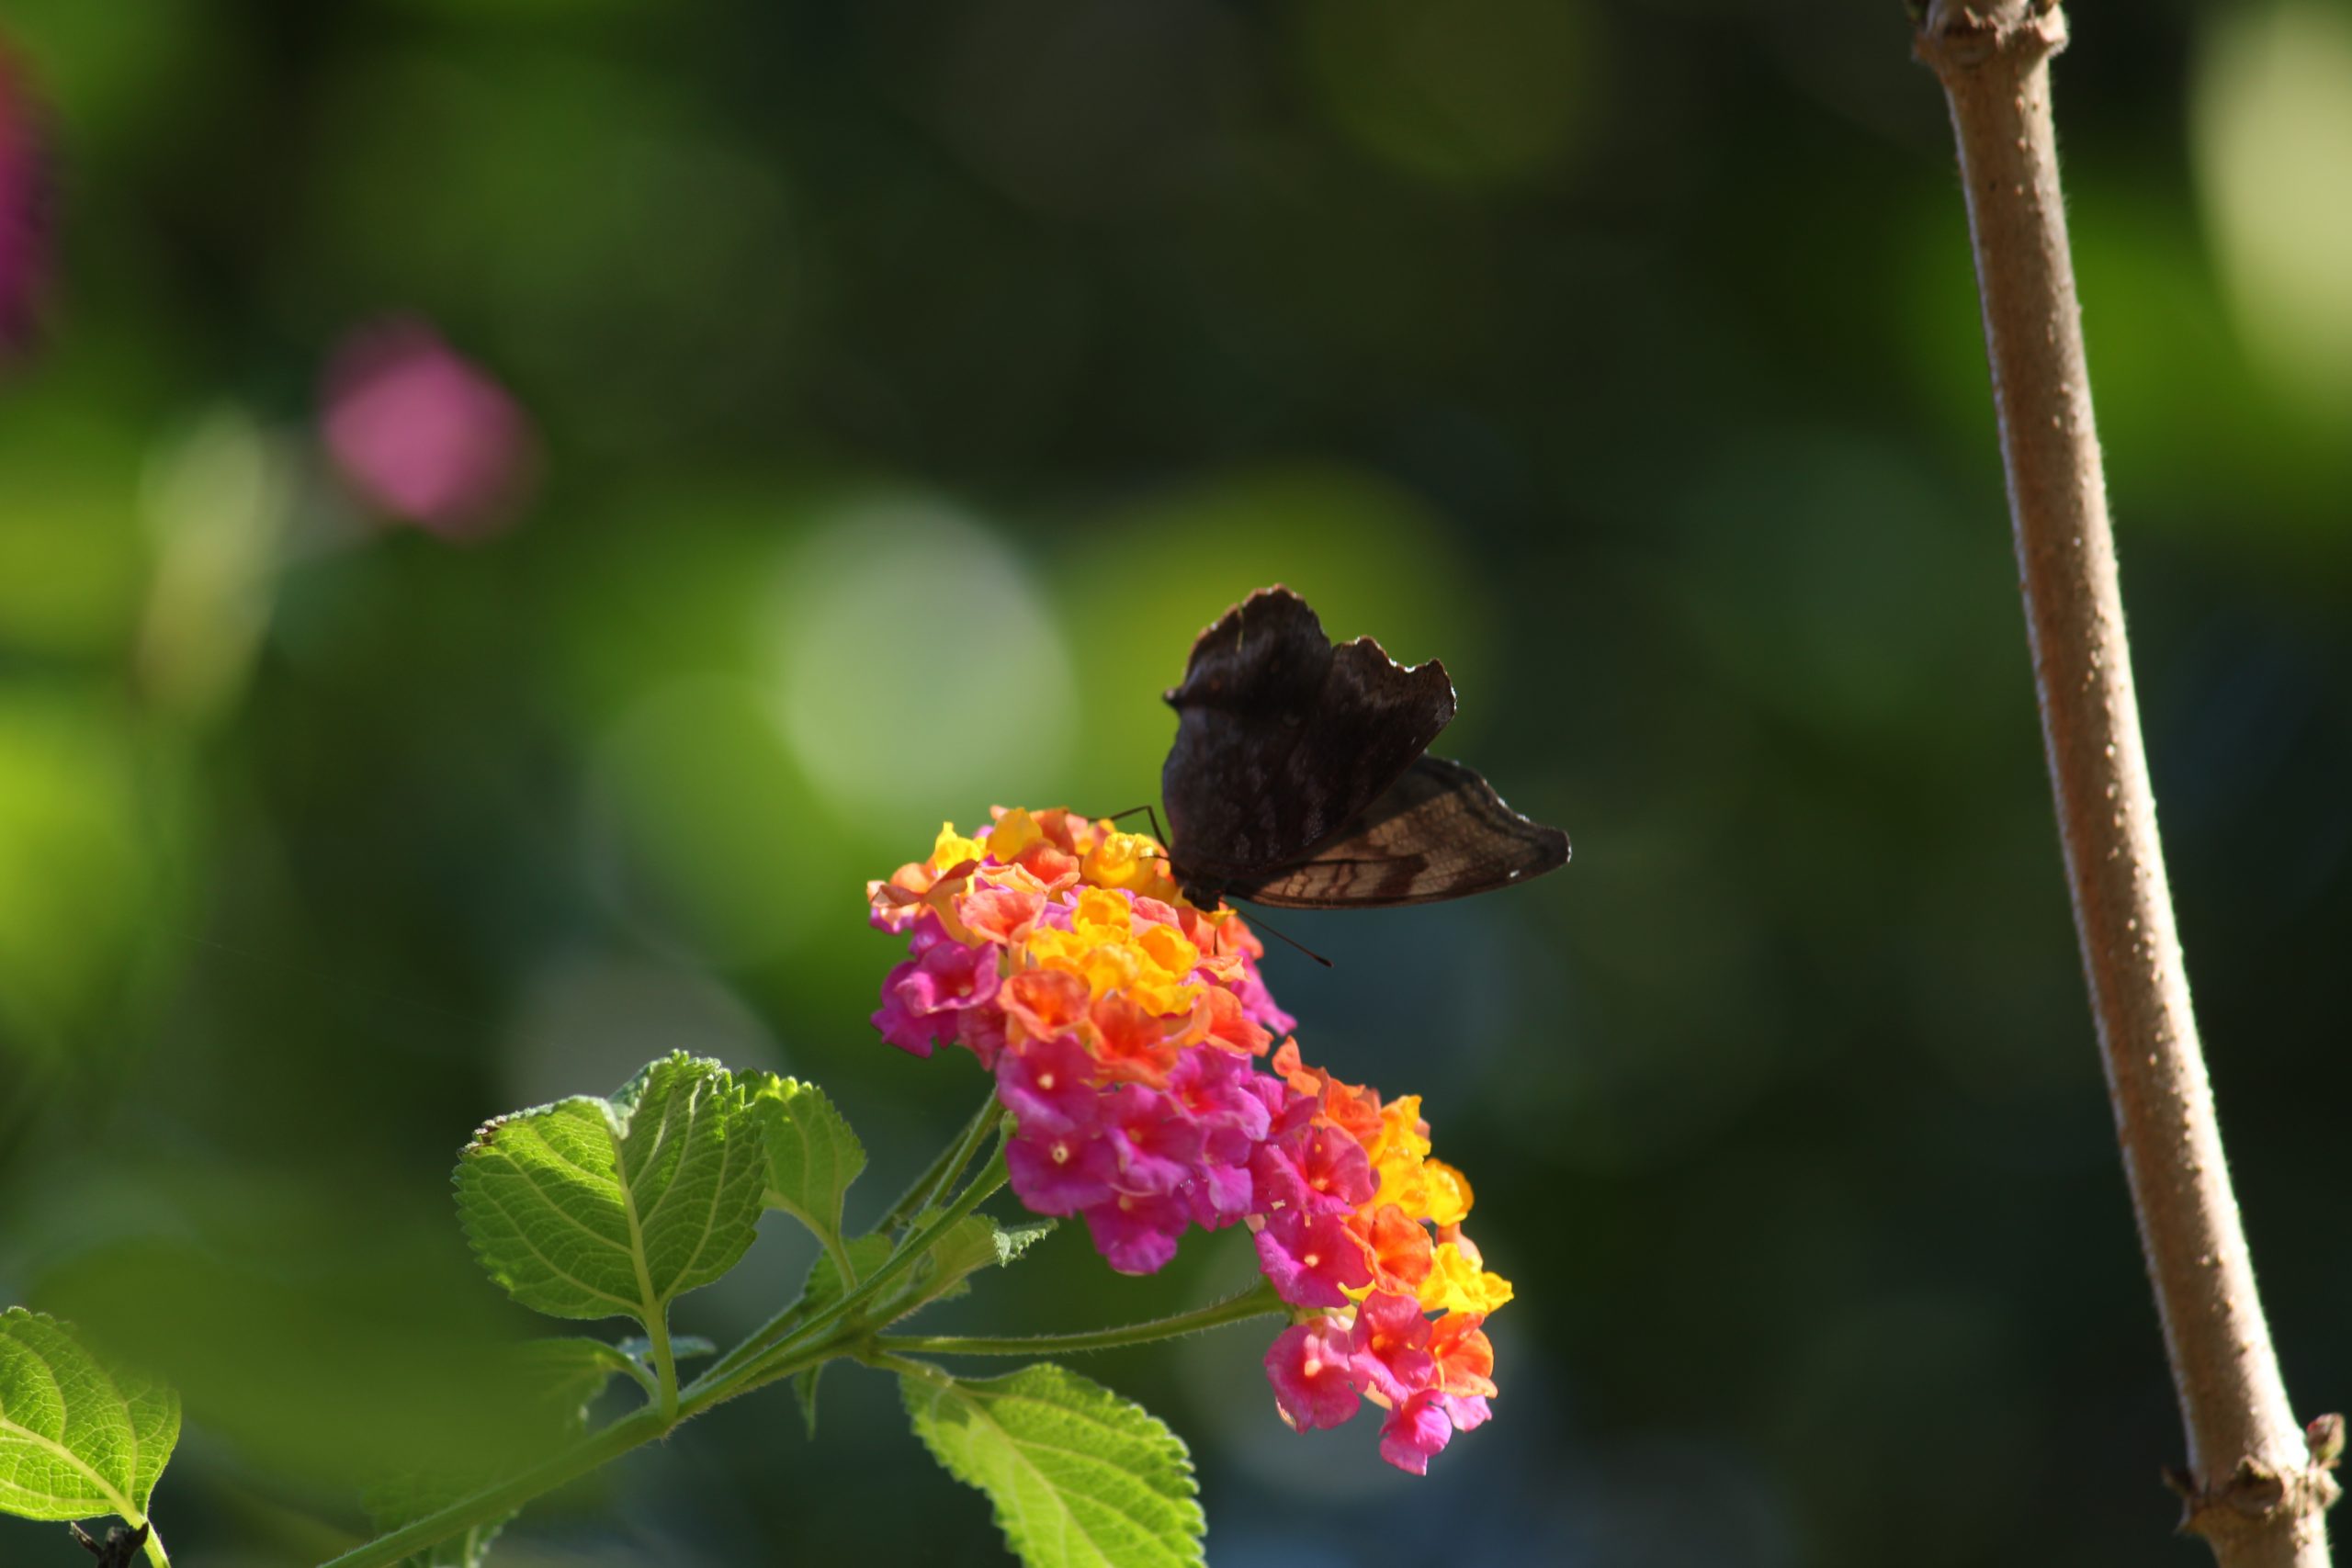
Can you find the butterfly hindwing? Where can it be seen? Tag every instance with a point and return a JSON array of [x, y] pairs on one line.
[[1440, 833], [1282, 739]]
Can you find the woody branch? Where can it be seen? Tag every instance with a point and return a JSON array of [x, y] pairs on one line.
[[2252, 1490]]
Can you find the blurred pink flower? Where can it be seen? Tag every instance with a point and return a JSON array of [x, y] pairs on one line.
[[424, 434], [24, 214]]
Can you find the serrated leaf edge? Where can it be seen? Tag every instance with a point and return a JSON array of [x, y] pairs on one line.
[[617, 1114], [941, 1386], [117, 1501], [784, 1092]]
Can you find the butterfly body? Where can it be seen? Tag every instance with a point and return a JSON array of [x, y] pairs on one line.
[[1299, 777]]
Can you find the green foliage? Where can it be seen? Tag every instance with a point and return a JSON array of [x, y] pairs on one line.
[[411, 1498], [556, 1379], [78, 1439], [639, 1351], [1081, 1478], [812, 1155], [594, 1208], [824, 1286], [973, 1243], [599, 1207], [804, 1394]]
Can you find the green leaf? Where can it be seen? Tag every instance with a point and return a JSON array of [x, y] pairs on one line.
[[812, 1155], [596, 1208], [1081, 1477], [77, 1439], [823, 1287], [804, 1394], [1013, 1240], [683, 1347], [566, 1375], [974, 1242]]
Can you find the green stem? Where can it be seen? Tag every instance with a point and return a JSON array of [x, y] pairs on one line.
[[665, 1365], [641, 1425], [774, 1332], [785, 1326], [1258, 1301], [983, 1186], [933, 1184], [746, 1368], [836, 1249], [155, 1552], [634, 1431], [883, 1362]]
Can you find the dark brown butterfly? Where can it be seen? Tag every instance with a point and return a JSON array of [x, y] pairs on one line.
[[119, 1548], [1299, 777]]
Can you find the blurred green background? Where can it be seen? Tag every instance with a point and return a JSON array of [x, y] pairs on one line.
[[913, 377]]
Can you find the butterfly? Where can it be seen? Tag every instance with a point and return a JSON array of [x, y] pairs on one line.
[[119, 1548], [1300, 778]]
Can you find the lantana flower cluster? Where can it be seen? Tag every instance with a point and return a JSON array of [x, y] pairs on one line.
[[1134, 1042]]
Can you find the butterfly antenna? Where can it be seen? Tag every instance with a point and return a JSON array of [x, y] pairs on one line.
[[1259, 923], [1143, 811]]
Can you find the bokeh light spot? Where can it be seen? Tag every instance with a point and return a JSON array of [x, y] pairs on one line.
[[216, 500], [1481, 93], [920, 671], [72, 869], [584, 1022], [2273, 141], [699, 829]]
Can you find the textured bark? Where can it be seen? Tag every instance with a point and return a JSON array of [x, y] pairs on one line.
[[2251, 1489]]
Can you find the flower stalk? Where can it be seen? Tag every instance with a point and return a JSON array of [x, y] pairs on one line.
[[1259, 1301]]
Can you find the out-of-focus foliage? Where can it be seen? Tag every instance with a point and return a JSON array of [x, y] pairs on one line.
[[913, 377]]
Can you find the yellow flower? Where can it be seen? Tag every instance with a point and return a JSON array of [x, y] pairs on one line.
[[1131, 862], [1015, 832], [1456, 1284], [1101, 916], [1448, 1193], [952, 849]]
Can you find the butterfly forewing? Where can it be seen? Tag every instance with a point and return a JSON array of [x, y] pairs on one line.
[[1282, 739], [1440, 833]]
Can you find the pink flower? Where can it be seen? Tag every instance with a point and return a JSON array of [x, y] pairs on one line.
[[1049, 1085], [1309, 1366], [1467, 1414], [425, 435], [26, 238], [921, 996], [1416, 1431], [1061, 1173], [1215, 1086], [1312, 1262], [898, 1022], [1136, 1233], [1390, 1344], [982, 1034], [1315, 1168], [1158, 1144], [1219, 1194]]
